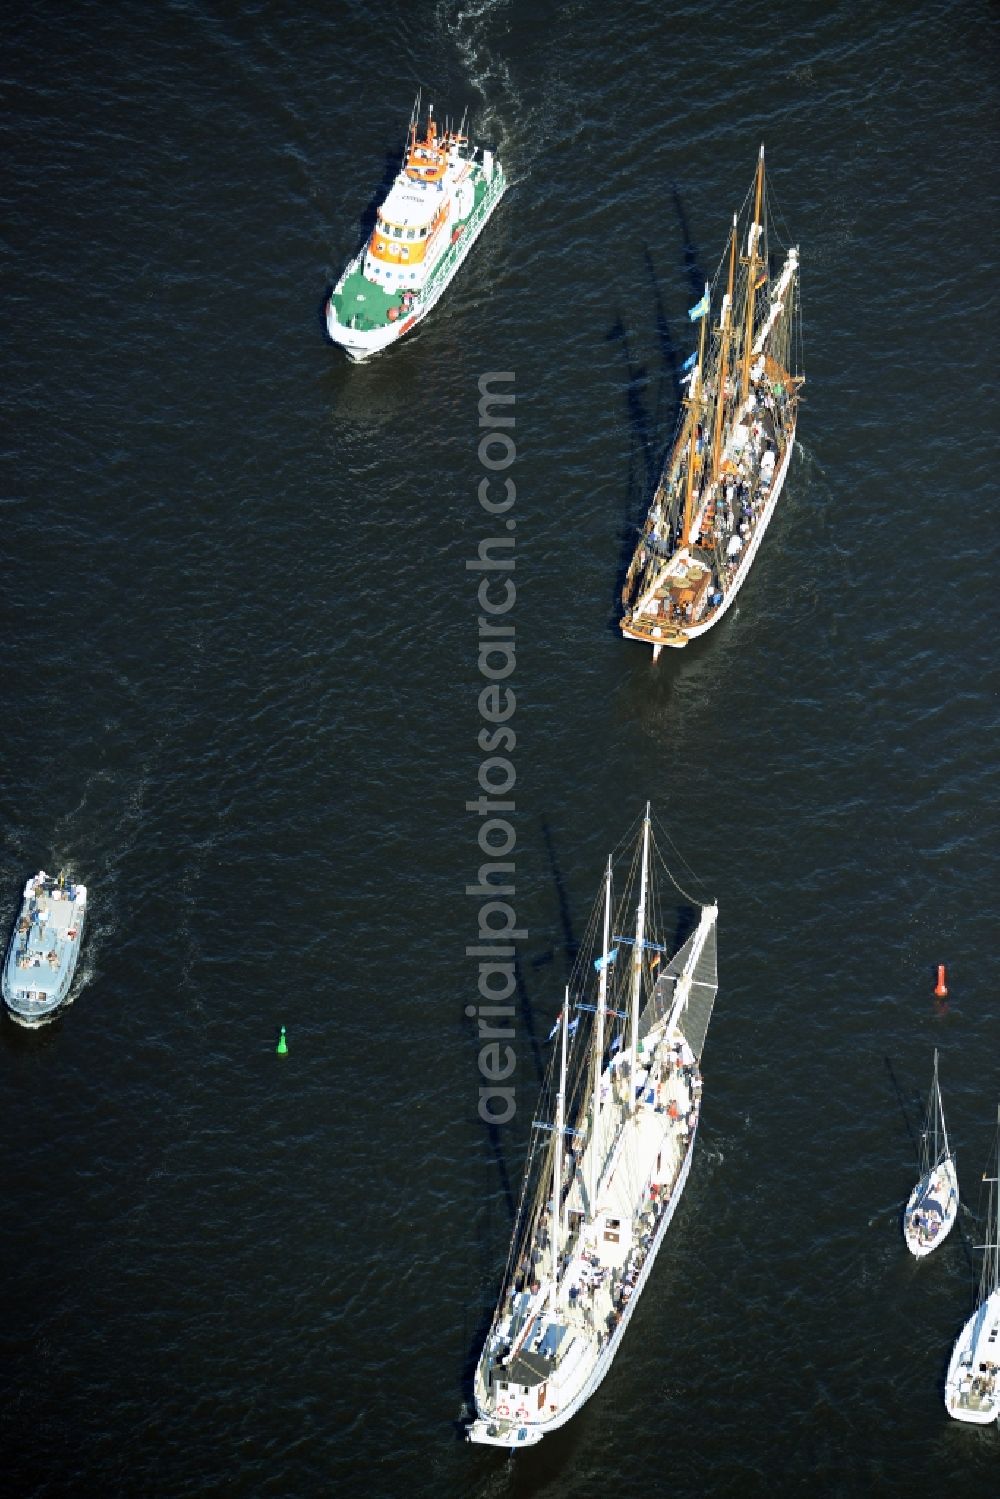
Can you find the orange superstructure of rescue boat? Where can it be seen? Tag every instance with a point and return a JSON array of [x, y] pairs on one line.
[[439, 203]]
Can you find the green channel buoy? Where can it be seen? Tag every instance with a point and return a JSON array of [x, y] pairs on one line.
[[282, 1044]]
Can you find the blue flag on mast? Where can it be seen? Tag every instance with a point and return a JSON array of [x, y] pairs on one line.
[[689, 364], [699, 309], [569, 1029], [599, 962]]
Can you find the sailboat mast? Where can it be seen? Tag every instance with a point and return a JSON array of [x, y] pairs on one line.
[[723, 371], [695, 402], [602, 1000], [557, 1161], [640, 937], [939, 1114], [996, 1227], [756, 230]]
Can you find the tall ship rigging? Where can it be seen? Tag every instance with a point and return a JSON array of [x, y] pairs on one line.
[[610, 1151], [436, 209], [736, 431]]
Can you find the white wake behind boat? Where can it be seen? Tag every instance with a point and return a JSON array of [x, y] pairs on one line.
[[932, 1208], [609, 1156], [45, 946], [972, 1386]]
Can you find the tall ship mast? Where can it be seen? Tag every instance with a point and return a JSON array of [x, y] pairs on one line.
[[735, 434], [610, 1152], [436, 209]]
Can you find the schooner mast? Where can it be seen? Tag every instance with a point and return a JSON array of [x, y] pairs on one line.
[[640, 936], [722, 375], [602, 1000], [557, 1155], [756, 230], [696, 403]]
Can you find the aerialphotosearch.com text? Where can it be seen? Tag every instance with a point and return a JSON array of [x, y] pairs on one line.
[[496, 594]]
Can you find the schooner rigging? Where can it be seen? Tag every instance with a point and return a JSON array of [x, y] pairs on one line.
[[610, 1152], [734, 441]]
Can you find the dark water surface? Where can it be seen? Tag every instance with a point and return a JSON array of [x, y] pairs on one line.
[[241, 687]]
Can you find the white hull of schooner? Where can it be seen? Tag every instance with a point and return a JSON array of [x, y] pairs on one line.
[[609, 1160], [513, 1433]]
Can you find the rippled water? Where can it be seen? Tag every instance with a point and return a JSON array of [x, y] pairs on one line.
[[241, 685]]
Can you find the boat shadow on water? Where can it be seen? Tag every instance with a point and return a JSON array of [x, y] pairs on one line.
[[529, 1031], [651, 430], [366, 223], [904, 1108]]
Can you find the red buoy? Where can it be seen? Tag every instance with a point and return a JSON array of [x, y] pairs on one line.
[[941, 988]]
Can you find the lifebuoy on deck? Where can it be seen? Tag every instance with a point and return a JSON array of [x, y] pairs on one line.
[[503, 1410]]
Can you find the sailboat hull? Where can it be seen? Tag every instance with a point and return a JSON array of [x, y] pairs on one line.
[[693, 631], [500, 1433], [676, 637], [972, 1386], [932, 1209]]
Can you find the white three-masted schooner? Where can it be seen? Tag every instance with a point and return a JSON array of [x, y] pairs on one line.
[[609, 1155], [728, 462]]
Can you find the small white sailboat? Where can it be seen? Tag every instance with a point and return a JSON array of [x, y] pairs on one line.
[[933, 1206], [972, 1387]]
